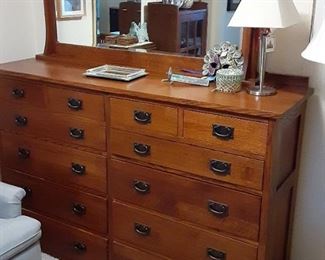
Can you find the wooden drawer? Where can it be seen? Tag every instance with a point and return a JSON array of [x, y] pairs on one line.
[[63, 165], [204, 204], [65, 242], [58, 127], [199, 161], [143, 117], [120, 251], [226, 133], [174, 239], [53, 99], [68, 205]]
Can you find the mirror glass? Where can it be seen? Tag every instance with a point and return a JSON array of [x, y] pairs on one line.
[[148, 25]]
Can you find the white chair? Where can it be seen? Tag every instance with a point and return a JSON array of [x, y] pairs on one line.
[[19, 235]]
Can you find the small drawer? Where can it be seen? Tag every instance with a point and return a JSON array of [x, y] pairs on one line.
[[62, 165], [226, 133], [66, 242], [143, 117], [76, 103], [23, 92], [196, 160], [120, 251], [68, 205], [175, 239], [222, 209], [59, 127]]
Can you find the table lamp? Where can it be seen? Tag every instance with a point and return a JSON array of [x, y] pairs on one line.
[[264, 14], [315, 50]]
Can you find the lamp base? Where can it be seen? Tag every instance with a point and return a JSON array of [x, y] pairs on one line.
[[265, 91]]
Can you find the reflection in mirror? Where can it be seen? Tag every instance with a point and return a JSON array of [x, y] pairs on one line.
[[152, 25]]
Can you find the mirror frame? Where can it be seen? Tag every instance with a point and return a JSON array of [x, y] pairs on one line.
[[156, 63]]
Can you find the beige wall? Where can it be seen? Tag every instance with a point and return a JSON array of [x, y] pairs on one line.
[[23, 37]]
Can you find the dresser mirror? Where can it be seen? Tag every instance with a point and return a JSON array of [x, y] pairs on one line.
[[185, 31]]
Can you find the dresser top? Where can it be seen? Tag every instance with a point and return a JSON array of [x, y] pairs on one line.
[[292, 91]]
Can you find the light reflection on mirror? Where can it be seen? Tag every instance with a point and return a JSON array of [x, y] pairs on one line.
[[200, 27]]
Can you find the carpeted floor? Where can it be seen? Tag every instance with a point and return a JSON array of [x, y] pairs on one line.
[[48, 257]]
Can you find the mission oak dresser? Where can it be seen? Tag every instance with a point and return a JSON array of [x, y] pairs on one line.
[[149, 171]]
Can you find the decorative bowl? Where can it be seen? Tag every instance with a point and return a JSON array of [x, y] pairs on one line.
[[229, 80]]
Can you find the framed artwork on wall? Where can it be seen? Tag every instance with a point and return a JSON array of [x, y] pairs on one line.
[[232, 5], [70, 9]]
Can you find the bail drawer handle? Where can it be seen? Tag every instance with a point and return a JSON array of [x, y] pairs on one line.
[[219, 167], [23, 153], [214, 254], [79, 247], [78, 168], [141, 187], [142, 117], [18, 93], [218, 209], [79, 209], [21, 121], [75, 104], [142, 230], [76, 133], [223, 132], [141, 149]]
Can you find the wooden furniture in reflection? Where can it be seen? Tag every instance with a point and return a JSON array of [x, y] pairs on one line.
[[128, 12], [178, 30]]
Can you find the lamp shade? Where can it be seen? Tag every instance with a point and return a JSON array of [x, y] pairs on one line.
[[265, 14], [315, 51]]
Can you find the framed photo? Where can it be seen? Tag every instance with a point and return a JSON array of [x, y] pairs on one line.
[[232, 5], [70, 9]]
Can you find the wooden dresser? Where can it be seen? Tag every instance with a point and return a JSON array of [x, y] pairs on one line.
[[148, 171]]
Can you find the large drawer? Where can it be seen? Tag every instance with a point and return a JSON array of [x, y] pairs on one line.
[[211, 206], [175, 239], [59, 127], [143, 117], [196, 160], [53, 98], [120, 251], [65, 204], [66, 242], [63, 165], [226, 132]]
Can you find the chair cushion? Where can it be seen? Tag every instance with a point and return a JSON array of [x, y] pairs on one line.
[[17, 234]]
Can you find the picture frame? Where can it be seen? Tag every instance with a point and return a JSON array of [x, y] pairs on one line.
[[70, 9], [232, 5]]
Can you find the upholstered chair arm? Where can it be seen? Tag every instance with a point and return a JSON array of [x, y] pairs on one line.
[[10, 200]]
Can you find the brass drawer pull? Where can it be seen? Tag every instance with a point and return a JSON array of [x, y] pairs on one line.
[[142, 117], [77, 133], [23, 153], [141, 229], [141, 187], [141, 149], [215, 254], [78, 168], [74, 104], [79, 209], [18, 93], [79, 247], [220, 168], [218, 209], [223, 132], [21, 121]]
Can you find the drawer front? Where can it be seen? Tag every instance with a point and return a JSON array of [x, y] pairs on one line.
[[23, 92], [174, 239], [199, 161], [226, 133], [60, 127], [76, 103], [78, 244], [70, 206], [53, 99], [123, 252], [143, 117], [204, 204], [55, 163]]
